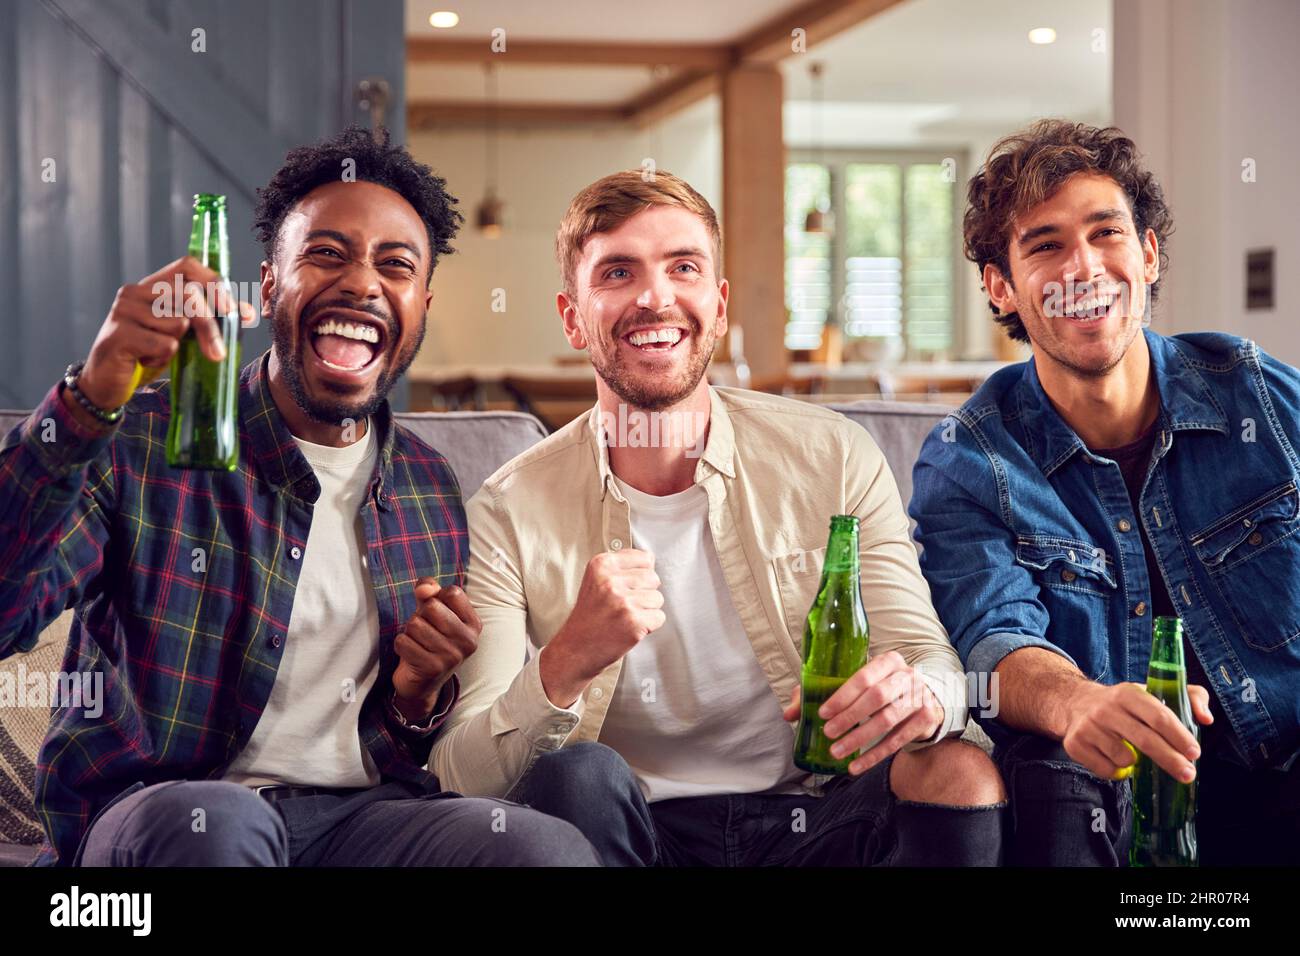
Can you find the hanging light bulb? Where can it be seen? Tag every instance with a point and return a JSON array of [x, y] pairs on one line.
[[818, 220], [490, 216]]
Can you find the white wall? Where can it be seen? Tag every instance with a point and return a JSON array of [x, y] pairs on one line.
[[540, 171], [1202, 85]]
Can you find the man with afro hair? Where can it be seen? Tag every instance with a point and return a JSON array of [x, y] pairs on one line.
[[278, 643]]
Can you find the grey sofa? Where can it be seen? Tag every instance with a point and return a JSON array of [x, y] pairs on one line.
[[476, 444]]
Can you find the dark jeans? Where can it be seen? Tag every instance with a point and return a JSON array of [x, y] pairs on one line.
[[857, 822], [1062, 815], [214, 823]]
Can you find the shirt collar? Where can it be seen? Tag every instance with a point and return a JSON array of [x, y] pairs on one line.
[[1186, 402], [719, 448], [274, 453]]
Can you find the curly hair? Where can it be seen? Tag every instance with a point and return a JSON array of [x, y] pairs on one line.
[[377, 161], [1028, 167]]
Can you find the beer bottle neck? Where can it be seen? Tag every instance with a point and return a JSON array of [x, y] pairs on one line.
[[842, 552], [1167, 642]]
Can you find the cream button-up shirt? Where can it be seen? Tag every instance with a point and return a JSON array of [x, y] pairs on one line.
[[775, 470]]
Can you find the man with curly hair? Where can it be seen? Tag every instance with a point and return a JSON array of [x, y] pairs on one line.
[[1118, 476], [279, 643]]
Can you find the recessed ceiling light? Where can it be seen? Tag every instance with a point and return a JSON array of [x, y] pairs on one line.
[[1042, 35], [444, 19]]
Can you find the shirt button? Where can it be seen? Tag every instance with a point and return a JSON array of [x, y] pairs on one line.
[[1124, 525], [1067, 575], [1255, 538], [1140, 609], [275, 640], [1247, 523], [295, 552], [597, 693], [616, 544]]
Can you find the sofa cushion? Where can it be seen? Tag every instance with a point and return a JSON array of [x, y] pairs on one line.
[[475, 444], [24, 717]]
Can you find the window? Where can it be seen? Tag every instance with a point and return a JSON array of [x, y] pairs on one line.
[[886, 269]]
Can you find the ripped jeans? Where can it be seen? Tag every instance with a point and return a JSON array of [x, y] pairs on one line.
[[1061, 814], [857, 822]]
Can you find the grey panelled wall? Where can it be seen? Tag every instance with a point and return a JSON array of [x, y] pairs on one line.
[[135, 122]]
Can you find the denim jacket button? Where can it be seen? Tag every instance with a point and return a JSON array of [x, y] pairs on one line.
[[1067, 575], [1140, 609], [1124, 525], [1255, 538]]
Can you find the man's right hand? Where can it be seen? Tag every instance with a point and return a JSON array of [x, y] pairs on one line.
[[1103, 717], [133, 333], [619, 603]]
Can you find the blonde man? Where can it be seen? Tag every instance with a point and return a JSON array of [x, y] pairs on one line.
[[661, 551]]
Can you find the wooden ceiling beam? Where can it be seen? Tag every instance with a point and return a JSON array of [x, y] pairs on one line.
[[669, 97], [568, 53], [430, 114], [819, 19]]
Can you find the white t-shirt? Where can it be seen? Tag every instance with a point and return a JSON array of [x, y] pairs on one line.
[[308, 734], [693, 713]]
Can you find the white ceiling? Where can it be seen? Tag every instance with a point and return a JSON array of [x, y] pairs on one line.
[[659, 21], [960, 62], [921, 70]]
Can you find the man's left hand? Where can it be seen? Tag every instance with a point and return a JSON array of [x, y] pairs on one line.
[[885, 698], [443, 632]]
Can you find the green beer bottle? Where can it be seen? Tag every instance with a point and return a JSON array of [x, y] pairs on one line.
[[204, 431], [834, 646], [1164, 809]]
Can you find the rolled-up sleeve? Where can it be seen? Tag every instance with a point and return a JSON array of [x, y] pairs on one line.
[[503, 719]]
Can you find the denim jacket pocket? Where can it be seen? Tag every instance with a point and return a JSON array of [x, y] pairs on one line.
[[1066, 564], [1253, 556], [1076, 583]]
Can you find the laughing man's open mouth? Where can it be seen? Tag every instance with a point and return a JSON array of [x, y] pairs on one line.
[[344, 341]]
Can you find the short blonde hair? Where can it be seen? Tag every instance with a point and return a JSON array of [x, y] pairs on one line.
[[608, 203]]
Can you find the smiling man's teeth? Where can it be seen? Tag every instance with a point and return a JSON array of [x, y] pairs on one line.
[[671, 336], [349, 330], [1100, 304]]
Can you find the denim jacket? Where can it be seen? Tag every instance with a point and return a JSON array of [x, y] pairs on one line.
[[1030, 539]]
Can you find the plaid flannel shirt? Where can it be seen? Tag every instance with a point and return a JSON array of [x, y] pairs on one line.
[[189, 641]]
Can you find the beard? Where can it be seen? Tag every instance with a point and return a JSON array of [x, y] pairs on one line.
[[656, 394], [334, 410]]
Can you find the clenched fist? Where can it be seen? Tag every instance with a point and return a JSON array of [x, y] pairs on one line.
[[440, 635], [619, 603]]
